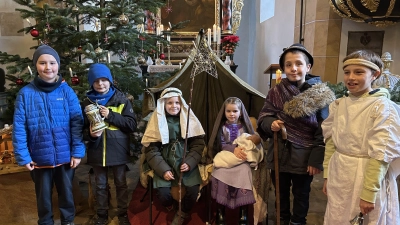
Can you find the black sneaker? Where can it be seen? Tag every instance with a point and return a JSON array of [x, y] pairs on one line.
[[101, 221], [123, 220]]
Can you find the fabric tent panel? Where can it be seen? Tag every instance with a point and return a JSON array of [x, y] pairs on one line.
[[209, 93]]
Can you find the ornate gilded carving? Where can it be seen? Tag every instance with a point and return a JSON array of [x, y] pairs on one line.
[[390, 9], [372, 5], [355, 10], [382, 23], [343, 7], [237, 6], [367, 11], [236, 14]]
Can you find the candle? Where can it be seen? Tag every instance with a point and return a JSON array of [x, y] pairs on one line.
[[209, 36], [180, 65], [168, 37], [30, 71], [162, 27], [215, 33], [29, 22], [109, 57], [146, 82], [170, 26], [70, 72], [278, 76], [218, 35]]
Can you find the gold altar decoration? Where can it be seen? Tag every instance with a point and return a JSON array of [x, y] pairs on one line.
[[380, 13], [236, 7]]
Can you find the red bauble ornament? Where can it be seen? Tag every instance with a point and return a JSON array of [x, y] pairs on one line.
[[34, 32], [162, 56], [75, 80], [19, 81]]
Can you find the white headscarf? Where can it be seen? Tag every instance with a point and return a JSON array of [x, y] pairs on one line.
[[157, 128]]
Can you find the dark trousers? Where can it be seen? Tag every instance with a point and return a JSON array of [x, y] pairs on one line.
[[44, 180], [300, 184], [188, 201], [101, 175]]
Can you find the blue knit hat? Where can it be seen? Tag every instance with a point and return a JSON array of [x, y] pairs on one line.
[[97, 71], [45, 49]]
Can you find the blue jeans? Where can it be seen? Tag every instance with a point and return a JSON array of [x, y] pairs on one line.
[[188, 201], [300, 184], [44, 180], [101, 174]]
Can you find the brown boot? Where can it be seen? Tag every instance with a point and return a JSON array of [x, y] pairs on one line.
[[179, 218]]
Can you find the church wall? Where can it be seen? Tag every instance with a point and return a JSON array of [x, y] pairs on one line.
[[391, 43]]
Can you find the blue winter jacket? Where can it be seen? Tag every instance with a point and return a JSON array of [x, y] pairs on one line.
[[47, 127]]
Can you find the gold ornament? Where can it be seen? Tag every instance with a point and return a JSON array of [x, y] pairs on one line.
[[141, 60], [123, 19], [98, 50], [75, 8]]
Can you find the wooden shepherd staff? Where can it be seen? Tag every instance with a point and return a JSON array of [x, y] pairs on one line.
[[276, 164]]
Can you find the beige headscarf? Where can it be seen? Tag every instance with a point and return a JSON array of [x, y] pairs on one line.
[[157, 128]]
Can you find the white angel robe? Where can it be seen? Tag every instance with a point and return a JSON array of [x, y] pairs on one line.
[[362, 128]]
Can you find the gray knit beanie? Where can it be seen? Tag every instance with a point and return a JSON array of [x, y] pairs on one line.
[[45, 49]]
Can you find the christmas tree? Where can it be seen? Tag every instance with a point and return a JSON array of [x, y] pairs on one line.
[[85, 32]]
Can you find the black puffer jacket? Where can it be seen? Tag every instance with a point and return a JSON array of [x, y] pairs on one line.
[[112, 147], [294, 158]]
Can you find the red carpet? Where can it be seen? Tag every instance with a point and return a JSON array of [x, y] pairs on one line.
[[139, 211]]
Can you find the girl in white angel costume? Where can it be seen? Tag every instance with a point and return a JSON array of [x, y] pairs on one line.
[[362, 148]]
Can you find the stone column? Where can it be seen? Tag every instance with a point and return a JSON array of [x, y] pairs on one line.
[[321, 32]]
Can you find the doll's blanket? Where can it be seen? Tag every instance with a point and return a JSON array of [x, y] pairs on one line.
[[226, 159]]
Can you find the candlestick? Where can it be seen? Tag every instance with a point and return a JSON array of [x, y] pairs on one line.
[[169, 55], [218, 35], [70, 72], [278, 76], [209, 36], [30, 71], [215, 33]]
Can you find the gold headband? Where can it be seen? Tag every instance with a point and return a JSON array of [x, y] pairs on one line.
[[362, 62]]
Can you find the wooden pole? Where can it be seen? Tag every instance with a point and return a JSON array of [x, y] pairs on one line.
[[276, 166]]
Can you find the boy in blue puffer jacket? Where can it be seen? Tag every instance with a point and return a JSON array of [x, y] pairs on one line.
[[47, 135]]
